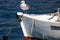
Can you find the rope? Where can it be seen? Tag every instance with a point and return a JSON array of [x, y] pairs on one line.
[[5, 37], [9, 32]]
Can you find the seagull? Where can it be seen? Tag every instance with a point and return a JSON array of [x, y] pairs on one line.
[[24, 6]]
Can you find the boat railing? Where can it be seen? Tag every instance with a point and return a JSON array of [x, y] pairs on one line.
[[58, 14]]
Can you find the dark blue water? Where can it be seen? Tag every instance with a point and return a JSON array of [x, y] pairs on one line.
[[9, 9]]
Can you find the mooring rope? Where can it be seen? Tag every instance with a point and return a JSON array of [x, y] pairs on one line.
[[5, 37]]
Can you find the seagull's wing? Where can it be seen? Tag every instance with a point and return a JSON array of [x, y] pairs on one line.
[[24, 6]]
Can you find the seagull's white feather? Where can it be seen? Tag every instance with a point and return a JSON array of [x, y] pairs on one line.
[[24, 6]]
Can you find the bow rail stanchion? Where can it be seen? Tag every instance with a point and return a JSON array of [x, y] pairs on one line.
[[58, 20]]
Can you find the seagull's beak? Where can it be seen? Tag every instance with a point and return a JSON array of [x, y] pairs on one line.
[[20, 2]]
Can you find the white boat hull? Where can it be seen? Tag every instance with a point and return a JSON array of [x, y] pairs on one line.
[[40, 26]]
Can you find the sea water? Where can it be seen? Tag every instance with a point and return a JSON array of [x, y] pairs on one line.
[[8, 15], [8, 19]]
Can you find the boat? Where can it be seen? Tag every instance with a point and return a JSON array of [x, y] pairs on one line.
[[40, 26]]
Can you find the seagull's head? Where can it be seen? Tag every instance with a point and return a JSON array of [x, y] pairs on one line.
[[22, 2]]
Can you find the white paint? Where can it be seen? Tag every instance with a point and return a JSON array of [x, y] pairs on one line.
[[24, 30], [24, 6], [43, 25], [19, 13]]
